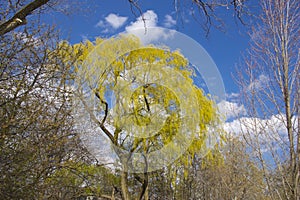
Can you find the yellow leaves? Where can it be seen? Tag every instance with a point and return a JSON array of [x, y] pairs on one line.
[[82, 50], [159, 57], [207, 110], [98, 41], [156, 98], [118, 67]]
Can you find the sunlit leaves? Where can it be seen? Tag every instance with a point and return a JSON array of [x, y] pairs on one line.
[[147, 97]]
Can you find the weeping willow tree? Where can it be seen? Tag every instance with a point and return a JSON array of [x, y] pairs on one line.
[[144, 100]]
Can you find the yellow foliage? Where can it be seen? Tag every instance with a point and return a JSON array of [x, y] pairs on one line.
[[120, 63]]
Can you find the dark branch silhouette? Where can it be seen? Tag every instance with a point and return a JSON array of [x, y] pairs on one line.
[[19, 18]]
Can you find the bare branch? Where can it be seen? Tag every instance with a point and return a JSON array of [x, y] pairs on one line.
[[19, 18], [100, 124]]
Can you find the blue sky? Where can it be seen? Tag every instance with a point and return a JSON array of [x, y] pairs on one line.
[[106, 18]]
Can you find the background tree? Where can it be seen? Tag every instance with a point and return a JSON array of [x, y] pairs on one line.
[[231, 174], [37, 135], [269, 83]]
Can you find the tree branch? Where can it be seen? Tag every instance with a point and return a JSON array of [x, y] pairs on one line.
[[20, 17], [101, 125], [106, 107], [145, 182]]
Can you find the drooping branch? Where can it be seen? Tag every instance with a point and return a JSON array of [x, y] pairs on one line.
[[19, 18], [145, 99], [101, 124], [106, 107]]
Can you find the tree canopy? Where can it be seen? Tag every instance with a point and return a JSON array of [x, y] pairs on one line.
[[144, 100]]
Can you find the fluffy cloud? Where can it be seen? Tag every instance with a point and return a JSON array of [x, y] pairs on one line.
[[115, 21], [112, 20], [271, 129], [258, 83], [148, 18], [145, 27], [100, 24], [232, 95], [231, 109], [169, 21], [269, 134]]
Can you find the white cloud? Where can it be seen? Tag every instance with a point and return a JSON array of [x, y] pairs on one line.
[[271, 125], [258, 83], [268, 134], [112, 21], [169, 21], [232, 95], [149, 18], [115, 21], [231, 109], [145, 27], [100, 24]]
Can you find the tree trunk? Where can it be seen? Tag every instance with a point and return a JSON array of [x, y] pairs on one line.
[[146, 196], [124, 183], [297, 159]]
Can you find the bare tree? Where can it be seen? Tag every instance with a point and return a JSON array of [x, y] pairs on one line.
[[37, 135], [269, 81]]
